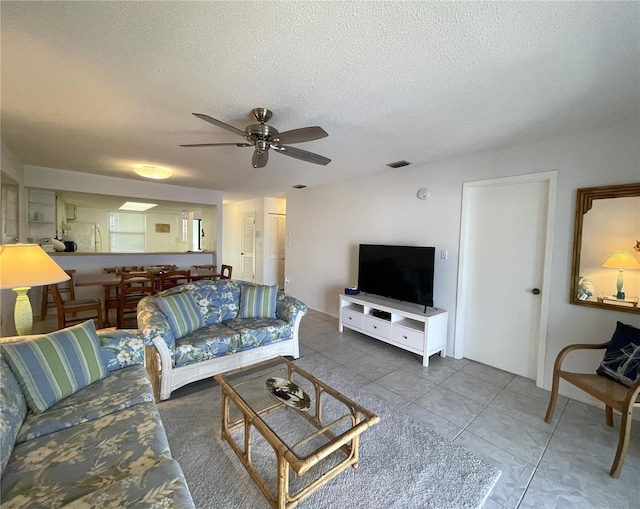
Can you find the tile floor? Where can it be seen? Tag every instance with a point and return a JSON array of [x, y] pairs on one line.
[[497, 415]]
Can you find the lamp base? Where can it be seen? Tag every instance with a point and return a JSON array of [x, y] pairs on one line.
[[23, 314]]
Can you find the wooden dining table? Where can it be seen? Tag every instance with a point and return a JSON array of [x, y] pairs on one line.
[[109, 280]]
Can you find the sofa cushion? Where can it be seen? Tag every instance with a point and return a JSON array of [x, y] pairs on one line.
[[52, 367], [256, 332], [622, 358], [182, 313], [258, 301], [13, 409], [56, 469], [124, 388], [162, 485], [211, 341]]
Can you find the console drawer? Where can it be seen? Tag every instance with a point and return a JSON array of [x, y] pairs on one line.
[[379, 327], [352, 318], [408, 337]]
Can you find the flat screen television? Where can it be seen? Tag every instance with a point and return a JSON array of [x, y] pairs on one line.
[[399, 272]]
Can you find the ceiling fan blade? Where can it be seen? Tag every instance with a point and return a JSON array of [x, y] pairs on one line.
[[299, 135], [260, 158], [218, 145], [219, 123], [303, 155]]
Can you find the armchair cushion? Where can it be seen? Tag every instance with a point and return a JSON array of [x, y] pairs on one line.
[[258, 301], [622, 358], [182, 312], [52, 367]]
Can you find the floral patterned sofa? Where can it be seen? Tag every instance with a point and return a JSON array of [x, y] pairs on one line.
[[104, 445], [199, 329]]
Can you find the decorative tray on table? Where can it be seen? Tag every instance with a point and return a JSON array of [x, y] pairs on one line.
[[289, 393]]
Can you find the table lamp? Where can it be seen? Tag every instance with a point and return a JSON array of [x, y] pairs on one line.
[[21, 267], [621, 260]]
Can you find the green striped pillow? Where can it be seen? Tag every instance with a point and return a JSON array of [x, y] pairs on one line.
[[258, 301], [52, 367], [182, 312]]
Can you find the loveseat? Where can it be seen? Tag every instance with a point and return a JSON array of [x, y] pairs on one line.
[[79, 426], [196, 330]]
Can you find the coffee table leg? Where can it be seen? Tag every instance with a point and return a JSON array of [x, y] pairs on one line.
[[283, 481]]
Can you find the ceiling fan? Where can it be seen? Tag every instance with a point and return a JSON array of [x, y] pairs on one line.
[[263, 137]]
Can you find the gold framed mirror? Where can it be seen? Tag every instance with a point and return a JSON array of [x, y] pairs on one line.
[[605, 270]]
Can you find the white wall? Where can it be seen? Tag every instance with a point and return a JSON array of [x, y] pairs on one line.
[[14, 169], [326, 223]]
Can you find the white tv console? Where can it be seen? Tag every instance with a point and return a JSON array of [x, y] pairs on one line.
[[408, 326]]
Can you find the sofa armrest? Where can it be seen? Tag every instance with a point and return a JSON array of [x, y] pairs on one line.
[[288, 308], [121, 348], [153, 324]]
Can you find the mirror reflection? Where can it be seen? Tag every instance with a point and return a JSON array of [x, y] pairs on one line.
[[90, 223], [606, 268]]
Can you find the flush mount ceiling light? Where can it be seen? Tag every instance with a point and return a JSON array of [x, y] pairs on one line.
[[137, 206], [153, 172]]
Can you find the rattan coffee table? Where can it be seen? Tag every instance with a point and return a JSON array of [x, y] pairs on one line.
[[313, 429]]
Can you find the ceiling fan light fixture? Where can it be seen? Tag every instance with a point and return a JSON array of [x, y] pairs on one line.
[[153, 172]]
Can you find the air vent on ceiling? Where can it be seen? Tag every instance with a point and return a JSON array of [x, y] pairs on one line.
[[399, 164], [299, 186]]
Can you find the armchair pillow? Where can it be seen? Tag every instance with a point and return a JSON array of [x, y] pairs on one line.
[[54, 366], [182, 312], [622, 358], [258, 301]]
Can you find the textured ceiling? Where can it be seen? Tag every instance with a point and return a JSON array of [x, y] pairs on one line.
[[100, 87]]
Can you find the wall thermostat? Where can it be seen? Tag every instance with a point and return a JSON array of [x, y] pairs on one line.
[[423, 193]]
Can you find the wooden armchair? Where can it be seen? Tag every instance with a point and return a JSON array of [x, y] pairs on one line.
[[614, 395]]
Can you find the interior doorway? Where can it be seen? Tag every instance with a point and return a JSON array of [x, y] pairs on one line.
[[276, 250], [503, 278], [248, 247]]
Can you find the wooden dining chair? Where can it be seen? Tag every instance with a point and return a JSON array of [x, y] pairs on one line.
[[65, 288], [75, 311], [173, 278], [214, 268], [133, 287], [226, 270]]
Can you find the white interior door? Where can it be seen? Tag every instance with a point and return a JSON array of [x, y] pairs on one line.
[[248, 253], [503, 277], [275, 250]]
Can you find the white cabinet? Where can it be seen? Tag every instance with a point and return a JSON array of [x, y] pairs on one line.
[[42, 213], [407, 326]]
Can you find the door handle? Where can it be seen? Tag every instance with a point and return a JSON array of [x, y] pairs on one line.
[[535, 291]]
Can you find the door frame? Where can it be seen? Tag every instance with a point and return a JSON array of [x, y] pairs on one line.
[[551, 177]]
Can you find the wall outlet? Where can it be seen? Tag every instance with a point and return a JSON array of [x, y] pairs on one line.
[[287, 280], [444, 254]]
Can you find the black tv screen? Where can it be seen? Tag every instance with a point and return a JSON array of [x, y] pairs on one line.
[[399, 272]]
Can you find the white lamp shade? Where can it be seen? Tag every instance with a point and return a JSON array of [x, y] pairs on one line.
[[28, 265], [621, 260]]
